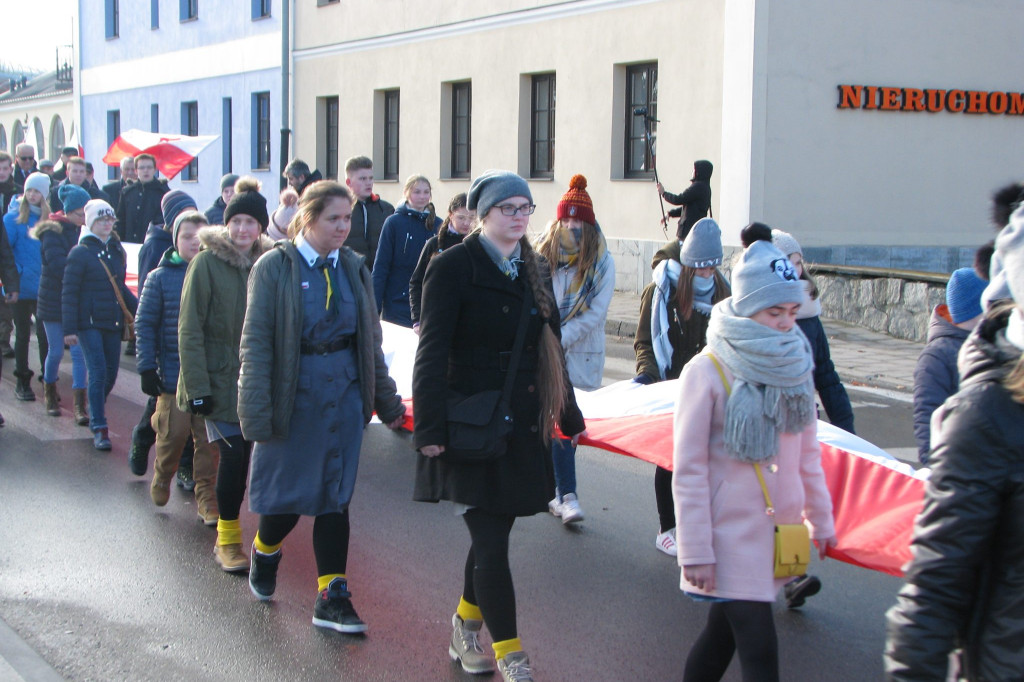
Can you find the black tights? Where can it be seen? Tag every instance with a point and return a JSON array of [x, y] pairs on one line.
[[663, 498], [330, 538], [746, 627], [231, 475], [488, 579]]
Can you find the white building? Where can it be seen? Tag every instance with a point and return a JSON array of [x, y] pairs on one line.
[[451, 88], [179, 66], [39, 111]]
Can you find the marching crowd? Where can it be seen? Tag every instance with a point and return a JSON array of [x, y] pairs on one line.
[[258, 340]]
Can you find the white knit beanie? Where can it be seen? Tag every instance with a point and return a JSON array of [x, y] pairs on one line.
[[40, 182], [786, 243], [96, 209]]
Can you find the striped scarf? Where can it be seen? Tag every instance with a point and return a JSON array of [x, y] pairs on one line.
[[581, 290]]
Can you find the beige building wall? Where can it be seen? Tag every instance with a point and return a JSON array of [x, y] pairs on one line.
[[46, 111], [419, 47]]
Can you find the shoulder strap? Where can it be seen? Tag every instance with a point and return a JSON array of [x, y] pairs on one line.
[[117, 290], [757, 467]]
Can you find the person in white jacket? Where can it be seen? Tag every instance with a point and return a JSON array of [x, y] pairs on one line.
[[583, 278]]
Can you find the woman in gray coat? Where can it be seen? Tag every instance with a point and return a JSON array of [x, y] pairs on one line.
[[312, 374]]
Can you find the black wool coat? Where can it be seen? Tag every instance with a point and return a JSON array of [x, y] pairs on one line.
[[469, 315]]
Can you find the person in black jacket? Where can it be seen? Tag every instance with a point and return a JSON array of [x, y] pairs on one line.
[[473, 297], [695, 202], [457, 224], [25, 164], [368, 213], [114, 188], [215, 214], [76, 176], [140, 202], [90, 311]]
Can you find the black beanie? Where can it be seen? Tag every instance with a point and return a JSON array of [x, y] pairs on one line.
[[248, 201]]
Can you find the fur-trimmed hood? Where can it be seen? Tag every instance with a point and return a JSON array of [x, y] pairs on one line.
[[215, 239]]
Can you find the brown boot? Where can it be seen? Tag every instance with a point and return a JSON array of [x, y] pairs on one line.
[[231, 558], [51, 399], [81, 414], [160, 490]]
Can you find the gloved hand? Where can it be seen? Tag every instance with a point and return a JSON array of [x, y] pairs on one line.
[[203, 406], [151, 383], [644, 379]]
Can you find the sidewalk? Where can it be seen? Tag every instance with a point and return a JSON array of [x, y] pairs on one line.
[[862, 357]]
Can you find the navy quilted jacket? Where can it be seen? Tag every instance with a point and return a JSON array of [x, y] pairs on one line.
[[54, 245], [156, 325], [88, 300]]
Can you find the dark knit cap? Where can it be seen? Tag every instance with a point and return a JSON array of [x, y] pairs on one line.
[[963, 295], [248, 201], [72, 196], [228, 180], [494, 186], [173, 203]]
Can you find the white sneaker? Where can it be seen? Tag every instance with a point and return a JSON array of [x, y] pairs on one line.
[[555, 505], [666, 542], [570, 509]]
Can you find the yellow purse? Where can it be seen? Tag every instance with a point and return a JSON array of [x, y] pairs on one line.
[[792, 540]]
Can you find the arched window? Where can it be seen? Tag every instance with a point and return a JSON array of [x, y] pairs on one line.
[[18, 136], [40, 139], [56, 138], [3, 139]]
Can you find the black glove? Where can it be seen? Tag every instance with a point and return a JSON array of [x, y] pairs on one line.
[[644, 379], [151, 383], [202, 406]]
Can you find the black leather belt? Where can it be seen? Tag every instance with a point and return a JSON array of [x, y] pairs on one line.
[[327, 346]]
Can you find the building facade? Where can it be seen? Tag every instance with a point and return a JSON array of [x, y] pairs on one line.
[[39, 111], [183, 67], [450, 89]]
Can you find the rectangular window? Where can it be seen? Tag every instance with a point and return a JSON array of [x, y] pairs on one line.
[[225, 136], [188, 10], [111, 18], [542, 126], [154, 118], [641, 92], [154, 14], [391, 111], [462, 111], [190, 126], [261, 130], [260, 9], [113, 130], [331, 106]]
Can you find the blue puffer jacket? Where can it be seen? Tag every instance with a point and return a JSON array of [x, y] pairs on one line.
[[25, 248], [401, 242], [156, 325], [936, 376], [55, 244], [88, 300]]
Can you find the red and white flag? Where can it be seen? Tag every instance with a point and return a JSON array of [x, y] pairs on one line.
[[172, 152]]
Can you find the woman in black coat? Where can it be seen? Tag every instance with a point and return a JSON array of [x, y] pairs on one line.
[[453, 230], [473, 295]]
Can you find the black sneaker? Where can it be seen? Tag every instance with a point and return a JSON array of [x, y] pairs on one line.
[[138, 459], [263, 573], [23, 390], [799, 590], [334, 609], [129, 348], [184, 478]]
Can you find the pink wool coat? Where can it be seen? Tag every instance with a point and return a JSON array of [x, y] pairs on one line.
[[720, 509]]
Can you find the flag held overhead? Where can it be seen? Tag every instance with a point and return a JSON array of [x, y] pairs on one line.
[[171, 151]]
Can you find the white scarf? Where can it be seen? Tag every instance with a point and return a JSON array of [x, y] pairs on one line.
[[666, 277]]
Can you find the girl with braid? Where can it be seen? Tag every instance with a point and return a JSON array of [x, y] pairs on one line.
[[473, 295], [453, 230]]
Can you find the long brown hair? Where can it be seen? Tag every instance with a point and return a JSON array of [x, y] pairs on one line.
[[590, 247], [684, 290], [312, 204]]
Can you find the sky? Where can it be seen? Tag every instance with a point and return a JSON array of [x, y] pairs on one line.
[[34, 49]]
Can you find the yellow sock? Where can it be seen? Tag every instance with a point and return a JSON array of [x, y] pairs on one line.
[[229, 532], [506, 647], [468, 611], [264, 548], [325, 580]]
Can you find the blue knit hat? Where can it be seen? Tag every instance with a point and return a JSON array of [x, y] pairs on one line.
[[72, 196], [173, 203], [963, 295]]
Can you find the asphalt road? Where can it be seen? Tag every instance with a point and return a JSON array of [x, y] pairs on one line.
[[105, 586]]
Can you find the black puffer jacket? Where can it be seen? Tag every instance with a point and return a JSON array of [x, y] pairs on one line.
[[965, 583], [54, 246], [139, 206]]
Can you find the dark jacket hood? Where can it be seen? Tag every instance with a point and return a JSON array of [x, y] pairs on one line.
[[155, 231], [987, 355], [941, 326], [315, 176], [702, 170], [406, 210]]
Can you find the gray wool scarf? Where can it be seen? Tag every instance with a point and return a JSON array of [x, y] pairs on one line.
[[773, 390]]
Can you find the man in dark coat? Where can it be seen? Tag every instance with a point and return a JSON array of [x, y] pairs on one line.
[[369, 211], [215, 214], [76, 176], [113, 189], [61, 174], [25, 157], [299, 176], [695, 202], [140, 202]]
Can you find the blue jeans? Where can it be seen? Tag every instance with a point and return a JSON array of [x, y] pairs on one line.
[[55, 337], [563, 457], [102, 348]]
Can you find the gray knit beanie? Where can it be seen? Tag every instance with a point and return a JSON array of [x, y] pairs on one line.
[[786, 243], [494, 186], [764, 278], [702, 247], [187, 216], [228, 180]]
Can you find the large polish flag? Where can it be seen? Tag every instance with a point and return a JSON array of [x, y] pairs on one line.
[[875, 497], [172, 152]]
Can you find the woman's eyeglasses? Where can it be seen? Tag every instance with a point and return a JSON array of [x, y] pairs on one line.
[[510, 210]]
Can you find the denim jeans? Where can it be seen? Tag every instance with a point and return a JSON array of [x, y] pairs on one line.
[[102, 348], [563, 457], [55, 337]]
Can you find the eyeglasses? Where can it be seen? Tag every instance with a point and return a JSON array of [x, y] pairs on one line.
[[510, 210]]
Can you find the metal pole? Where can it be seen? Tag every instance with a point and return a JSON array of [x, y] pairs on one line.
[[285, 123], [654, 167]]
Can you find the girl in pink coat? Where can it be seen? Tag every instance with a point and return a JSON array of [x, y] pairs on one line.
[[767, 416]]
